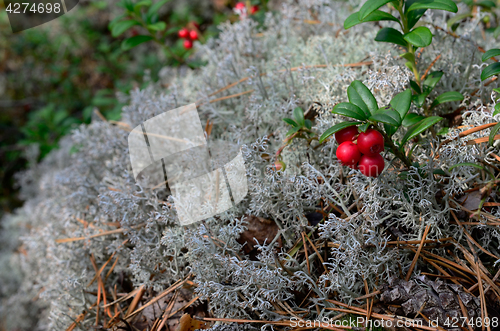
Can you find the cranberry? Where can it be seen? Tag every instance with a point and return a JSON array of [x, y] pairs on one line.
[[348, 153], [240, 6], [371, 165], [347, 134], [193, 35], [254, 9], [279, 165], [183, 33], [188, 44], [370, 142]]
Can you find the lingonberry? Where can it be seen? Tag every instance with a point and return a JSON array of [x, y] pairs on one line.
[[371, 165], [370, 142], [279, 165], [347, 134], [193, 35], [188, 44], [240, 6], [183, 33], [348, 153], [254, 9]]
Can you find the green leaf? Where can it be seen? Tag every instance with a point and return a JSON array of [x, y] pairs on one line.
[[363, 127], [466, 164], [134, 41], [420, 37], [415, 86], [336, 128], [308, 124], [447, 5], [156, 6], [402, 102], [409, 56], [447, 97], [349, 110], [366, 96], [298, 115], [377, 15], [387, 116], [127, 4], [292, 131], [290, 121], [443, 131], [491, 70], [493, 132], [115, 21], [121, 27], [411, 119], [490, 53], [431, 81], [420, 127], [356, 99], [390, 35], [142, 3], [439, 172], [458, 18], [486, 4], [497, 109], [419, 99], [414, 16], [496, 33], [369, 7], [159, 26]]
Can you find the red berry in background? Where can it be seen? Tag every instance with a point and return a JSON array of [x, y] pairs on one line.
[[347, 134], [279, 166], [193, 35], [183, 33], [254, 9], [370, 142], [240, 6], [188, 44], [348, 153], [371, 165]]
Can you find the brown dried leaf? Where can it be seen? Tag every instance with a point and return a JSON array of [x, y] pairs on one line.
[[262, 229]]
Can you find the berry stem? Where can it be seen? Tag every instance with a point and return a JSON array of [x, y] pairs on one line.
[[395, 150]]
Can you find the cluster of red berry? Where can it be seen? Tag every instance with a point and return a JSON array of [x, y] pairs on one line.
[[189, 36], [361, 150], [241, 7]]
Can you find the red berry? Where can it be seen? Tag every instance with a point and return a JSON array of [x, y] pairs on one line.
[[254, 9], [348, 153], [279, 165], [371, 165], [183, 33], [240, 6], [188, 44], [370, 142], [193, 35], [347, 134]]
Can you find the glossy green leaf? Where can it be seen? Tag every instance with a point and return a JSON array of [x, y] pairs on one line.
[[365, 94], [486, 4], [447, 5], [420, 37], [415, 86], [419, 99], [431, 81], [409, 56], [390, 129], [388, 116], [369, 7], [336, 128], [142, 3], [349, 110], [497, 109], [375, 16], [290, 122], [308, 124], [390, 35], [134, 41], [363, 127], [443, 131], [292, 131], [159, 26], [298, 115], [447, 97], [122, 26], [420, 127], [402, 102], [491, 70], [411, 119], [458, 18], [490, 53], [127, 4], [493, 132], [496, 33]]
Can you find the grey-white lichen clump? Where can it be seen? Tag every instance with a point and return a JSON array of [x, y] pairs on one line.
[[87, 187]]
